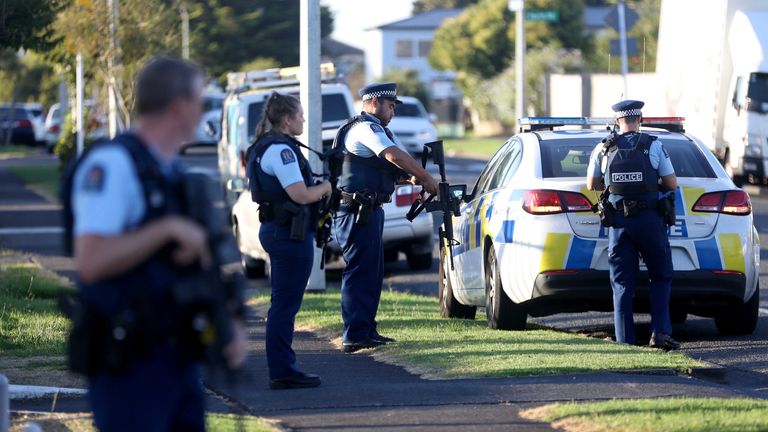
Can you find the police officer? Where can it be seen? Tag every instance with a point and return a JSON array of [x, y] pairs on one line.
[[373, 163], [130, 241], [280, 180], [633, 166]]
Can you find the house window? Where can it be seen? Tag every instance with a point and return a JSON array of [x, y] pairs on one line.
[[404, 49], [425, 47]]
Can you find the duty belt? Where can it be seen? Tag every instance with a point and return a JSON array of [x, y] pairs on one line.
[[379, 199], [638, 204]]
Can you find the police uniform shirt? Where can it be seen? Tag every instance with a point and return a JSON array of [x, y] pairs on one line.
[[280, 160], [656, 153], [107, 196], [367, 139]]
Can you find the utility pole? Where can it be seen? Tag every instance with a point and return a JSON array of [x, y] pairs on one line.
[[311, 100], [184, 31], [112, 67], [623, 44], [518, 6], [79, 104]]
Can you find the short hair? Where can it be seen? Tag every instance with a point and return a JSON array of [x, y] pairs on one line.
[[161, 81], [632, 119]]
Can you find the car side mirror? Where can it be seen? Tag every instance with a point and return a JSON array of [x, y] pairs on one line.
[[210, 128], [433, 117], [237, 184]]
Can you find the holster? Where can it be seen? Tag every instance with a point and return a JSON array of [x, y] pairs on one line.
[[666, 208], [363, 204], [287, 213], [606, 211]]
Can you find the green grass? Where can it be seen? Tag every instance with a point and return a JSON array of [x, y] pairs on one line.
[[84, 422], [484, 147], [30, 323], [461, 348], [669, 415], [44, 178], [13, 150]]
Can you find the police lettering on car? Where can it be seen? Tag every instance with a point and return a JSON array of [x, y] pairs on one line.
[[373, 163], [134, 243], [640, 180], [281, 182]]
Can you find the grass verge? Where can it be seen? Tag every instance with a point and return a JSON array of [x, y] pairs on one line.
[[441, 348], [84, 423], [16, 151], [480, 147], [30, 323], [43, 178], [670, 415]]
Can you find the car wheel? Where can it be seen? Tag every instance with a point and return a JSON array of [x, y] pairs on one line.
[[502, 313], [449, 306], [741, 319], [252, 268], [419, 261], [391, 255]]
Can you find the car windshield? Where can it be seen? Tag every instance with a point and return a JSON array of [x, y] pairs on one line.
[[18, 114], [757, 93], [408, 110], [335, 109], [570, 158]]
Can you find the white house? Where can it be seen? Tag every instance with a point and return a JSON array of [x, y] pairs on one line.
[[406, 44]]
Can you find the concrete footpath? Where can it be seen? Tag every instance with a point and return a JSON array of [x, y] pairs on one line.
[[358, 393]]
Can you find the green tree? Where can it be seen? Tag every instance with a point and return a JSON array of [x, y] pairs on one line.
[[408, 84], [226, 34], [421, 6], [646, 32], [28, 23]]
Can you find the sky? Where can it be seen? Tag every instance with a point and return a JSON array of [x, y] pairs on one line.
[[353, 17]]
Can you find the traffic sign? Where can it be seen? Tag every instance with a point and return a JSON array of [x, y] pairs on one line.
[[631, 47], [630, 17], [542, 15]]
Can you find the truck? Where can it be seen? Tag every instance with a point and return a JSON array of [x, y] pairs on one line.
[[712, 67]]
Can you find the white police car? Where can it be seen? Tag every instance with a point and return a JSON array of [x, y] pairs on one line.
[[530, 244]]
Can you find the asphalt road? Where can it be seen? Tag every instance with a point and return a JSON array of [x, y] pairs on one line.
[[745, 357]]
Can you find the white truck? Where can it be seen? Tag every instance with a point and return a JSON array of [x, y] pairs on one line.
[[712, 65]]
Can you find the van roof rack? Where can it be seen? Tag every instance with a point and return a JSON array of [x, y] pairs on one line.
[[239, 82]]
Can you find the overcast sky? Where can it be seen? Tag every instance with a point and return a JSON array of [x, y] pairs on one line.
[[353, 17]]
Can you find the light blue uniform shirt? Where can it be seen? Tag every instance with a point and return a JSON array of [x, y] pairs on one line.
[[368, 139], [280, 160]]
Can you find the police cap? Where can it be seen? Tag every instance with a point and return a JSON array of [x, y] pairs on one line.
[[628, 108], [380, 90]]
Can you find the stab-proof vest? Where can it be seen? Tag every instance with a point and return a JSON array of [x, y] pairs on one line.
[[371, 174], [266, 189], [628, 171]]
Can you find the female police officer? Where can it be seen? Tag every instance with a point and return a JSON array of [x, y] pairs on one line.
[[280, 182]]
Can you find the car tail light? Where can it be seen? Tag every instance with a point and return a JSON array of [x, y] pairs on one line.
[[541, 202], [734, 202], [727, 273], [24, 124], [54, 129], [406, 195]]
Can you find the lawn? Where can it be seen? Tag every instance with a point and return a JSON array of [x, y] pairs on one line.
[[460, 348], [16, 151], [43, 178], [669, 415], [30, 323], [481, 147], [83, 423]]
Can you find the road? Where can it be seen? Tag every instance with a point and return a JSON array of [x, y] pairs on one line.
[[745, 357]]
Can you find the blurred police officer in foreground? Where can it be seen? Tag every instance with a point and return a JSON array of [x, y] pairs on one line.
[[634, 167], [373, 163], [131, 242], [281, 181]]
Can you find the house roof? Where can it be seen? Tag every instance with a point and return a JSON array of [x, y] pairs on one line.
[[426, 21], [334, 48]]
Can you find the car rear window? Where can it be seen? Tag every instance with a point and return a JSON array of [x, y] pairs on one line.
[[335, 109], [408, 110], [570, 158], [18, 114]]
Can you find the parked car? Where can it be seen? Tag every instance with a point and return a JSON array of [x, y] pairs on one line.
[[412, 124], [208, 131], [242, 111], [530, 244], [54, 121], [19, 123]]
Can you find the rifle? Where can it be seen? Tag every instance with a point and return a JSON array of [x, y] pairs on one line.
[[448, 198]]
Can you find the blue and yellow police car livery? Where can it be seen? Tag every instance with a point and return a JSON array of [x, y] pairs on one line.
[[530, 218]]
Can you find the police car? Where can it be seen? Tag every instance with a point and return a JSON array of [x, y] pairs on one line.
[[531, 245]]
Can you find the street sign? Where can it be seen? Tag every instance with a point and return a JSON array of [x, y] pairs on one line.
[[631, 47], [631, 17], [542, 15]]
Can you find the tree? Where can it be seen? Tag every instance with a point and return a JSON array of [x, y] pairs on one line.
[[421, 6], [28, 23], [226, 34], [646, 32]]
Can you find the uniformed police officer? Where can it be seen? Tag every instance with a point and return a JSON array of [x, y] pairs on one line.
[[373, 163], [281, 182], [129, 243], [633, 166]]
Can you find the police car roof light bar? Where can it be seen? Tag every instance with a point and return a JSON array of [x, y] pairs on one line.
[[531, 124], [671, 124], [276, 77]]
